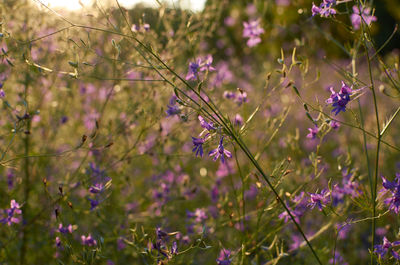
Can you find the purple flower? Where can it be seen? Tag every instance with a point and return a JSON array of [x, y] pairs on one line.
[[198, 145], [11, 214], [206, 125], [386, 247], [238, 120], [174, 248], [356, 17], [394, 188], [334, 124], [58, 242], [199, 215], [229, 95], [241, 97], [223, 258], [65, 230], [325, 9], [93, 203], [313, 132], [88, 240], [252, 30], [319, 200], [339, 100], [200, 65], [2, 93], [206, 65], [172, 107], [193, 70], [97, 188], [220, 152]]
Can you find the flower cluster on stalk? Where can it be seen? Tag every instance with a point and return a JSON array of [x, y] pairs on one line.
[[252, 30], [340, 100], [199, 65], [394, 188], [325, 9], [11, 214]]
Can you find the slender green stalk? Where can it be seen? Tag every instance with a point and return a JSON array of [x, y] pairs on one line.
[[378, 141], [27, 178]]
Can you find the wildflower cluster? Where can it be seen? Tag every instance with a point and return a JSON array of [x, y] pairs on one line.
[[198, 66], [340, 100], [252, 30], [394, 188], [11, 214], [325, 9]]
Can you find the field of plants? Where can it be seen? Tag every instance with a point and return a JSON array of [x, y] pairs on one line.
[[251, 132]]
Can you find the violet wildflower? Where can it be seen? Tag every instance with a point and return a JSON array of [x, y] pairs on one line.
[[2, 93], [11, 214], [325, 9], [229, 95], [313, 132], [241, 97], [174, 248], [97, 188], [238, 120], [224, 257], [334, 124], [394, 188], [286, 217], [386, 247], [172, 107], [93, 203], [199, 215], [88, 240], [206, 65], [65, 230], [198, 145], [200, 65], [220, 152], [58, 242], [206, 125], [252, 30], [320, 200], [193, 69], [365, 15], [340, 100]]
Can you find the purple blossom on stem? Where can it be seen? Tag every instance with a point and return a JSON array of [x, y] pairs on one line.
[[193, 70], [394, 188], [199, 215], [2, 93], [339, 100], [206, 65], [224, 256], [252, 30], [97, 188], [65, 230], [198, 145], [325, 9], [320, 200], [88, 240], [386, 247], [206, 125], [229, 95], [11, 214], [199, 65], [366, 17], [93, 203], [220, 152], [312, 133], [172, 107]]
